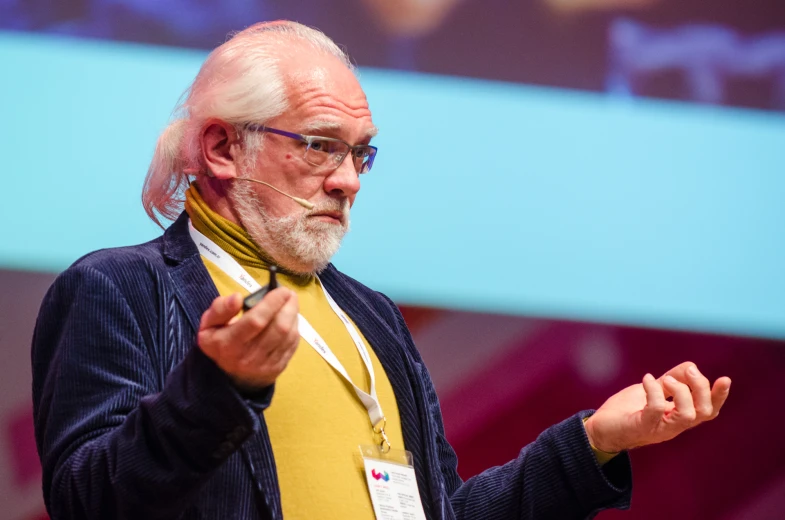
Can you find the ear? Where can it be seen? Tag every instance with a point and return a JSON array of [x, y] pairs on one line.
[[221, 149]]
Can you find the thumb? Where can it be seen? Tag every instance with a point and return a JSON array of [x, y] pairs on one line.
[[221, 311]]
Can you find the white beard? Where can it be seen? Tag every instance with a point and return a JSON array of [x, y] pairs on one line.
[[308, 242]]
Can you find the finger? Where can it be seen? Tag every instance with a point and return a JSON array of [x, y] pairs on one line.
[[294, 338], [701, 393], [719, 394], [291, 319], [221, 311], [679, 372], [259, 317], [287, 355], [280, 356], [684, 410], [655, 401], [278, 336]]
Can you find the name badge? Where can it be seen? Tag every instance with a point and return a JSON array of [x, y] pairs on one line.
[[392, 484]]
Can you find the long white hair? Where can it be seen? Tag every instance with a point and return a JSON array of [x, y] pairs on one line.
[[239, 82]]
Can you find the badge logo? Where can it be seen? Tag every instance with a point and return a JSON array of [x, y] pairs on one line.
[[380, 476]]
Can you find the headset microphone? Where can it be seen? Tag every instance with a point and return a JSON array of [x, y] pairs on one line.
[[302, 202]]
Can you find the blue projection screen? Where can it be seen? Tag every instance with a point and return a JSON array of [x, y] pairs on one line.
[[485, 196]]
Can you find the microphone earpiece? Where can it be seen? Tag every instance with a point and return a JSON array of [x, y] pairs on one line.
[[302, 202]]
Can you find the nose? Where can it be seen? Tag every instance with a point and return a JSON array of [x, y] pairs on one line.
[[344, 181]]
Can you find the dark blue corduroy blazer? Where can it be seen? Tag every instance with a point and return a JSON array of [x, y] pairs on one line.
[[132, 421]]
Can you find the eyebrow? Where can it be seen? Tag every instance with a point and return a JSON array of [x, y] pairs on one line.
[[322, 125]]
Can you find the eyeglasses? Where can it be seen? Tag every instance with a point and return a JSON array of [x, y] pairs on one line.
[[326, 152]]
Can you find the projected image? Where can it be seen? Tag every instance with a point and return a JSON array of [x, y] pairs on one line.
[[725, 53]]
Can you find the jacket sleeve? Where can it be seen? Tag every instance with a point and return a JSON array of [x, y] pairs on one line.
[[114, 442], [555, 477]]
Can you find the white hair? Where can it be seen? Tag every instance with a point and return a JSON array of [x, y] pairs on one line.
[[239, 82]]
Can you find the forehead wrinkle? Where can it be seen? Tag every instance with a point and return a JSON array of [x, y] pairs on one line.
[[321, 125], [322, 110], [324, 113], [319, 96]]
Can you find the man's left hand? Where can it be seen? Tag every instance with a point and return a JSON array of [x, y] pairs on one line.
[[641, 414]]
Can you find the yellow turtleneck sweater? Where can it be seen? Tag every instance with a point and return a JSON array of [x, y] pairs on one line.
[[316, 421]]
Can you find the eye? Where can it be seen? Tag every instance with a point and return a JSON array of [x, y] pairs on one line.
[[318, 145]]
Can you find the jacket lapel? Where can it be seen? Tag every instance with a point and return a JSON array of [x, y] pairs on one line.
[[193, 286], [195, 291], [400, 370]]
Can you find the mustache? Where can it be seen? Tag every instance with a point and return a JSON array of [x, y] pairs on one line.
[[330, 205]]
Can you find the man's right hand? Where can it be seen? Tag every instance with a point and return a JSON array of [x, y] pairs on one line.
[[253, 349]]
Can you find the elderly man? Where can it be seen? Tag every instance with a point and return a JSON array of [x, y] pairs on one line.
[[157, 397]]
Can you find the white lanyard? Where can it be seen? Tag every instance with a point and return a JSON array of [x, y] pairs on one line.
[[231, 267]]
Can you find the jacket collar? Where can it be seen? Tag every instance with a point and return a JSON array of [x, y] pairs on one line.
[[193, 286], [178, 245]]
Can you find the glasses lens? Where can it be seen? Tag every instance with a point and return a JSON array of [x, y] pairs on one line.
[[330, 153], [325, 152], [363, 158]]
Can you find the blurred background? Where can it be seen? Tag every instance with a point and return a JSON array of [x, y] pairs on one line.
[[569, 194]]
